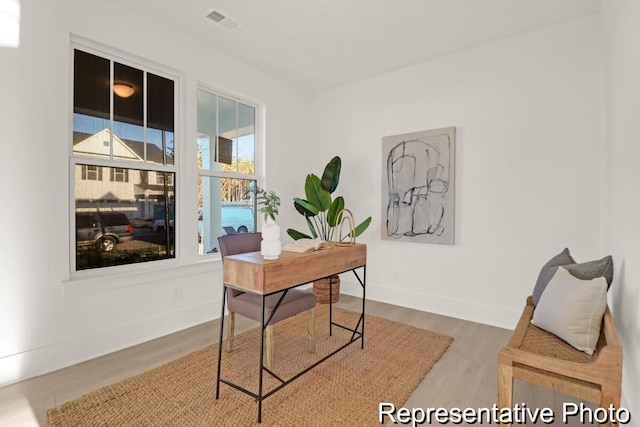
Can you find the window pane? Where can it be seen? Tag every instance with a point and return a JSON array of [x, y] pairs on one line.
[[208, 131], [128, 119], [91, 77], [228, 123], [160, 120], [223, 208], [226, 134], [121, 216], [246, 139]]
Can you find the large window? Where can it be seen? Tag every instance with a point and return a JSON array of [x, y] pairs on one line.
[[122, 162], [226, 168]]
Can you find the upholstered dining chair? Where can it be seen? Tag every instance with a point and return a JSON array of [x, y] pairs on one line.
[[250, 305]]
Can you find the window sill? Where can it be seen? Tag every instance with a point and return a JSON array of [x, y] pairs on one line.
[[91, 282]]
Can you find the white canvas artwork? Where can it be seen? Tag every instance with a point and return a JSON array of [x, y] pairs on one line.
[[418, 190]]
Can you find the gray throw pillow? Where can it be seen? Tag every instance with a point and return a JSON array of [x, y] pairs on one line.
[[547, 272], [592, 269]]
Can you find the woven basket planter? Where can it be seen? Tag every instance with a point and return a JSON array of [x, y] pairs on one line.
[[321, 289]]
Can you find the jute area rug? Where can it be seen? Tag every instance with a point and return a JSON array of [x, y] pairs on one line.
[[343, 390]]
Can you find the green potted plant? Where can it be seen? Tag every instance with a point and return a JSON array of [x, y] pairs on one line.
[[320, 211], [324, 214], [269, 203]]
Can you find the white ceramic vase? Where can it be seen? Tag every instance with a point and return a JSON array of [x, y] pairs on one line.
[[271, 246]]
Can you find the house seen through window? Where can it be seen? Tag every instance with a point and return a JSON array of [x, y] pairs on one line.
[[123, 162], [226, 149]]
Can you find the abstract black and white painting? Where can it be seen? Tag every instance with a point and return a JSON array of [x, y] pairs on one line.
[[418, 190]]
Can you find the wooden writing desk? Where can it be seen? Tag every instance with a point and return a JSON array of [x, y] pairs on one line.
[[251, 273]]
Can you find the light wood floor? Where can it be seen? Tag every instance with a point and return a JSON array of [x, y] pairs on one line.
[[465, 377]]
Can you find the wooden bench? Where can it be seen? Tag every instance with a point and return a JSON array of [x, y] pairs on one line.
[[539, 357]]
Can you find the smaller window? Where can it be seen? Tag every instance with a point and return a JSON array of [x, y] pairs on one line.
[[226, 147], [160, 178], [91, 173], [119, 175]]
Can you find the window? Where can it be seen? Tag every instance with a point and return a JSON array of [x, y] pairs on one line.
[[123, 133], [160, 178], [92, 173], [120, 174], [226, 168]]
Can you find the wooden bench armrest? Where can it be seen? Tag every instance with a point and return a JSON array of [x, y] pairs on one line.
[[525, 318], [610, 331]]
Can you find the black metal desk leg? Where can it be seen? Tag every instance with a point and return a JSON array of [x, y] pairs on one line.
[[330, 306], [364, 289], [262, 330], [224, 297]]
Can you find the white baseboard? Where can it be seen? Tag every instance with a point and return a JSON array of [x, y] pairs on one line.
[[489, 315]]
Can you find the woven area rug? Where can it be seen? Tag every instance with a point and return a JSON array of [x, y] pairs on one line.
[[343, 390]]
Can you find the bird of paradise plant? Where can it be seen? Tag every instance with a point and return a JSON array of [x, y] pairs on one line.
[[322, 213]]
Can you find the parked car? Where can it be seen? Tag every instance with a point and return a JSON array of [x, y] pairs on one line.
[[102, 230], [142, 222], [158, 224], [239, 218], [234, 219]]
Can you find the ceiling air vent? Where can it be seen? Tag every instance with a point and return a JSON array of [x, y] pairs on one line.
[[220, 18]]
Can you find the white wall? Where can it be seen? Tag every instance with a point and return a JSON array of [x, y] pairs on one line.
[[622, 202], [528, 168], [47, 318]]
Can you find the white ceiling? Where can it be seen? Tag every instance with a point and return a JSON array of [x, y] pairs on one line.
[[321, 44]]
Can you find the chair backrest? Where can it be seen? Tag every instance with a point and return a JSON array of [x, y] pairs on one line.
[[240, 243]]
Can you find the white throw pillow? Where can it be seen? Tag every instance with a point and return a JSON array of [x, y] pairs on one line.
[[572, 309]]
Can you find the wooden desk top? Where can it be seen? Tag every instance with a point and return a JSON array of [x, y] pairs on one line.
[[253, 273]]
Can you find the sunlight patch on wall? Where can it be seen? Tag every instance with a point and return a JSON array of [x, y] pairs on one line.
[[9, 23]]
